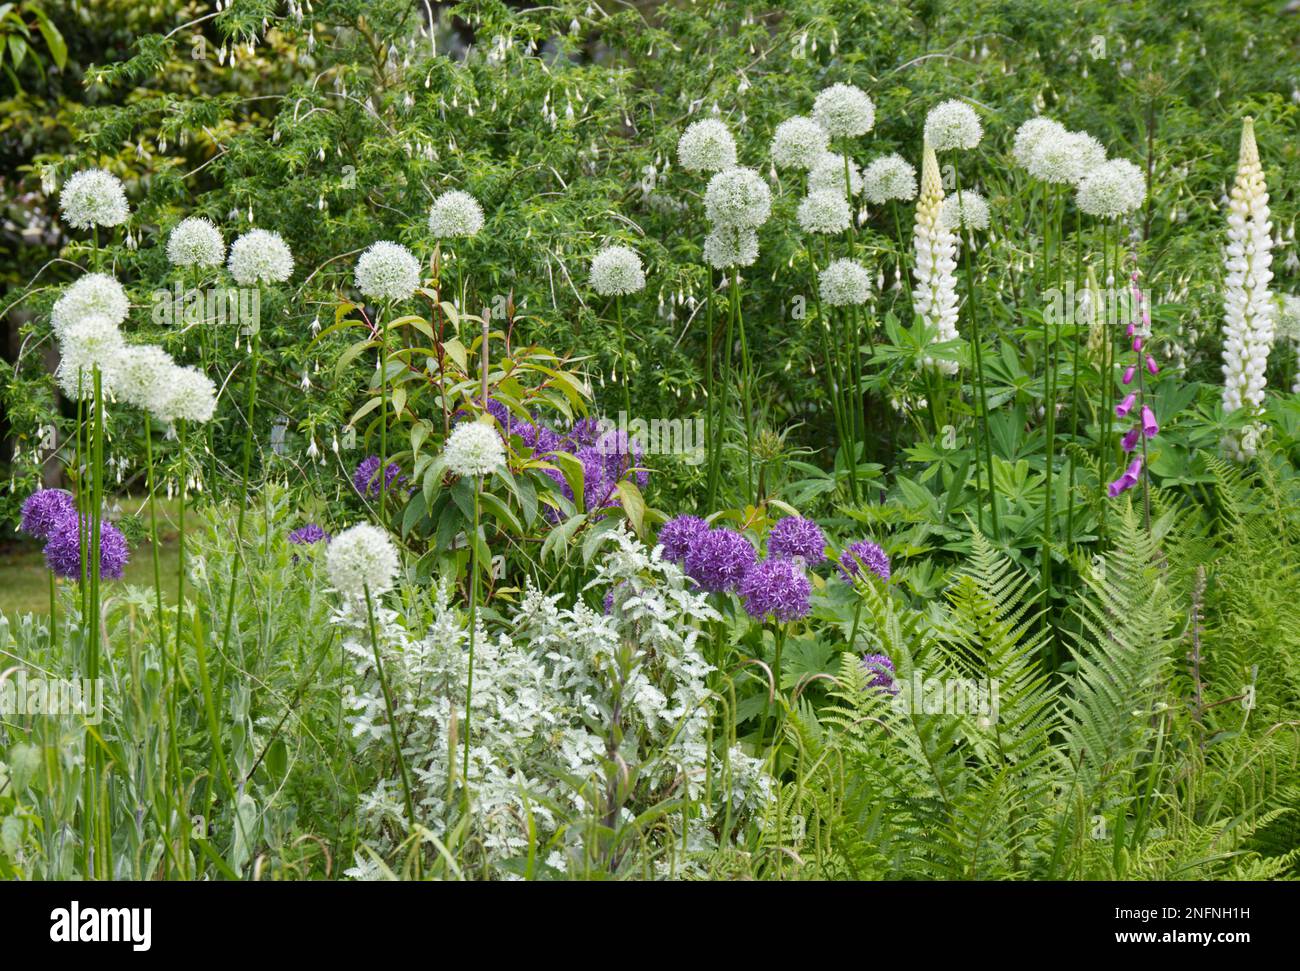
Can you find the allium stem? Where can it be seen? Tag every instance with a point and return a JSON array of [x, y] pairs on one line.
[[473, 622], [388, 706], [98, 860], [829, 367], [622, 359], [383, 410], [746, 382]]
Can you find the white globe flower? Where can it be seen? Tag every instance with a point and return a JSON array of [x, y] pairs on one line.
[[196, 242], [362, 559], [1288, 318], [887, 178], [824, 212], [190, 396], [827, 175], [706, 146], [260, 256], [1112, 189], [1030, 134], [93, 197], [96, 294], [952, 124], [727, 248], [967, 209], [845, 111], [799, 142], [387, 271], [90, 342], [844, 283], [737, 199], [455, 213], [144, 377], [1065, 158], [473, 448], [616, 272]]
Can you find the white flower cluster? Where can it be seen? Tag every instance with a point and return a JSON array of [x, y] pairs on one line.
[[1112, 189], [1248, 308], [260, 256], [706, 146], [616, 271], [1066, 157], [455, 213], [828, 175], [965, 209], [890, 177], [844, 283], [825, 212], [799, 142], [188, 395], [727, 248], [845, 111], [95, 294], [473, 448], [196, 242], [94, 197], [362, 559], [951, 125], [1030, 135], [737, 198], [1288, 328], [540, 713], [934, 297], [387, 271], [89, 343]]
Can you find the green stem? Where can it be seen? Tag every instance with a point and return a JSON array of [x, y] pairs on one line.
[[473, 622], [392, 717]]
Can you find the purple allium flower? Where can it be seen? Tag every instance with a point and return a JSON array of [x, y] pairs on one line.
[[679, 534], [609, 601], [776, 587], [45, 510], [719, 559], [63, 551], [796, 536], [585, 431], [366, 478], [876, 560], [306, 535], [881, 669]]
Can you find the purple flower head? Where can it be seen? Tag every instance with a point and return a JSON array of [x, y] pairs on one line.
[[1152, 366], [679, 535], [864, 552], [45, 510], [63, 551], [1128, 480], [1125, 406], [1130, 439], [796, 536], [719, 559], [1128, 374], [366, 478], [622, 455], [776, 587], [881, 669], [585, 431], [609, 601], [1149, 426], [306, 535]]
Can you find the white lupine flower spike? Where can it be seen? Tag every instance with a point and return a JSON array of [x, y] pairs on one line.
[[934, 297]]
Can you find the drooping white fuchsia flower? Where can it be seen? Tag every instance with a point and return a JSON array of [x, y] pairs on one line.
[[706, 146], [1249, 310], [934, 297], [94, 197]]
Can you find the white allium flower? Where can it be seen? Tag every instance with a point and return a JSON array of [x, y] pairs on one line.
[[1288, 328], [1112, 189], [260, 256], [473, 448], [966, 207], [616, 271], [799, 142], [737, 199], [89, 342], [190, 396], [844, 283], [706, 146], [361, 558], [196, 242], [952, 124], [455, 213], [144, 377], [824, 212], [845, 111], [1065, 157], [934, 297], [93, 294], [1248, 308], [889, 177], [726, 248], [93, 197], [827, 175], [1030, 135], [387, 271]]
